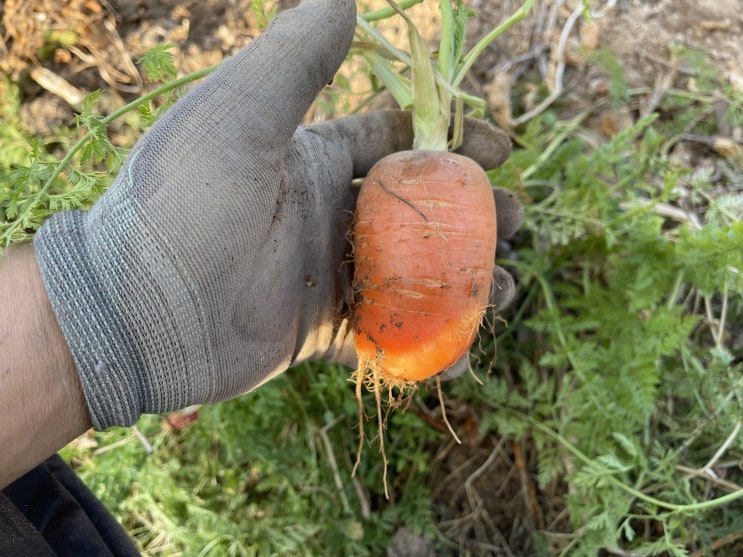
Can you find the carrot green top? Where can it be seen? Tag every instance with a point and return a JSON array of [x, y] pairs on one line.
[[432, 88]]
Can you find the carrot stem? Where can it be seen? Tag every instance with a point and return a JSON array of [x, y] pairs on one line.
[[448, 74], [431, 103], [447, 48], [398, 86]]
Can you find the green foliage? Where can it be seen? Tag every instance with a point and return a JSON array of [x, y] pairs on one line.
[[619, 365], [14, 143], [157, 63], [35, 186], [624, 374], [618, 89], [254, 476], [263, 13]]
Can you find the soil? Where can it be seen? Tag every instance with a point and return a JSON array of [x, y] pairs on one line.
[[93, 44]]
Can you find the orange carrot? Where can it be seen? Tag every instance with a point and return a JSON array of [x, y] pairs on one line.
[[424, 249], [424, 235], [425, 226]]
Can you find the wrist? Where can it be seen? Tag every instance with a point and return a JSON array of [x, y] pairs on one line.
[[42, 406]]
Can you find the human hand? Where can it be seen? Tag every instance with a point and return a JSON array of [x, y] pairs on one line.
[[219, 257]]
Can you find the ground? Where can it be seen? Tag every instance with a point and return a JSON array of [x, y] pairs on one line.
[[92, 44]]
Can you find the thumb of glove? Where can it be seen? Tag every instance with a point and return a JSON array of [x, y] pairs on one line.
[[289, 64]]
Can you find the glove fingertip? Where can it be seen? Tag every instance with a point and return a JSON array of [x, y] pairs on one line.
[[510, 212], [457, 369], [269, 86], [484, 143], [503, 290]]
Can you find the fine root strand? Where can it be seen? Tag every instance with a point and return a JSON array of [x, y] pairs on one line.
[[381, 425], [369, 377], [362, 418], [443, 411]]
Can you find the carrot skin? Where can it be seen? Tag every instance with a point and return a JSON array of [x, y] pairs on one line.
[[424, 248]]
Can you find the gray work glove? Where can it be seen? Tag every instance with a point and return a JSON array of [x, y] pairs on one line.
[[219, 257]]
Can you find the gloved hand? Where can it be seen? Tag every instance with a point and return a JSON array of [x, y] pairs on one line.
[[219, 257]]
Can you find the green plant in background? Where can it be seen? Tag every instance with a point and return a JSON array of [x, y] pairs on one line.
[[266, 474], [620, 366], [627, 366], [33, 189], [14, 144]]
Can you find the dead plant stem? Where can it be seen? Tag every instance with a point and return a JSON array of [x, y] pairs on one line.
[[333, 464]]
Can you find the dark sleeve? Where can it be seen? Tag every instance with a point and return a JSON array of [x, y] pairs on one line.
[[50, 511], [17, 535]]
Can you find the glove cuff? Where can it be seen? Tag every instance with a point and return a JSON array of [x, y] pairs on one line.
[[93, 331], [91, 276]]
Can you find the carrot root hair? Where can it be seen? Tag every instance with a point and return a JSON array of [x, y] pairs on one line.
[[399, 392], [443, 411]]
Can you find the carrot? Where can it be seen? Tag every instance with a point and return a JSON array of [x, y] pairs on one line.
[[424, 250], [424, 232]]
